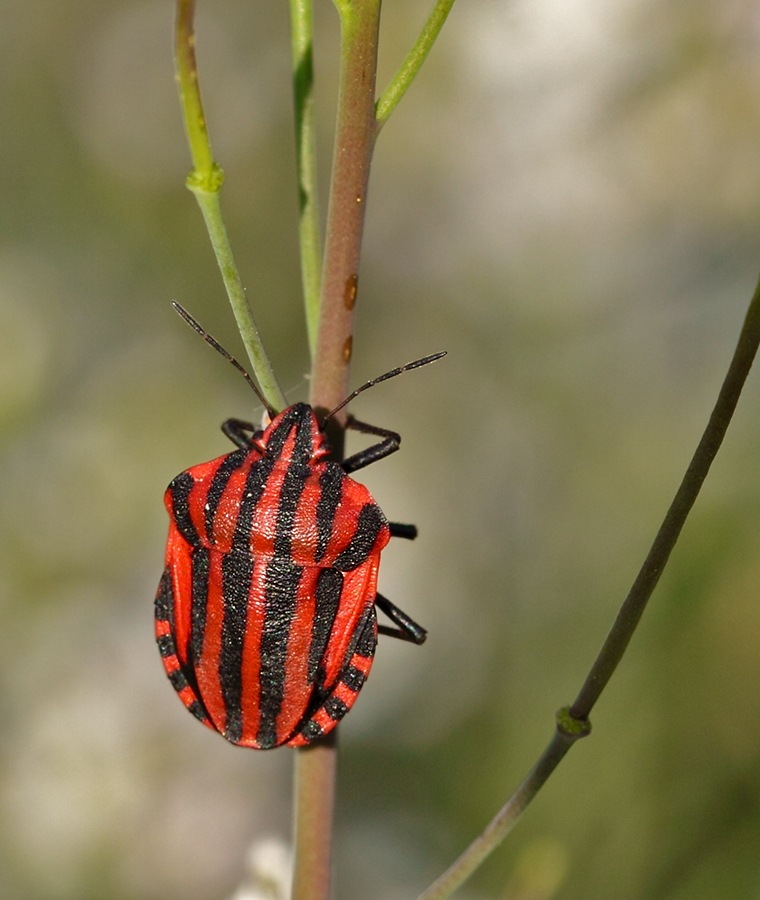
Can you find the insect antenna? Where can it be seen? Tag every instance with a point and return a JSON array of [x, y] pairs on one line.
[[392, 374], [228, 356]]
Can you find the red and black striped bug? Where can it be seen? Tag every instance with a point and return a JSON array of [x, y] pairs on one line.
[[265, 613]]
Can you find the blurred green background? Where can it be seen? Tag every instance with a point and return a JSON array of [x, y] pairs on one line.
[[568, 201]]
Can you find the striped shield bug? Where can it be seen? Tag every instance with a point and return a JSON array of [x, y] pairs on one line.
[[266, 611]]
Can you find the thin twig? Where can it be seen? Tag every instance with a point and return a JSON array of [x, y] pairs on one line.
[[657, 558], [205, 181], [572, 723], [391, 96], [301, 24]]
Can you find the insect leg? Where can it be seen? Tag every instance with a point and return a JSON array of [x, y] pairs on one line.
[[389, 444], [235, 430], [403, 531], [408, 629]]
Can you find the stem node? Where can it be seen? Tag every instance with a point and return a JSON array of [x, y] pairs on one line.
[[571, 727]]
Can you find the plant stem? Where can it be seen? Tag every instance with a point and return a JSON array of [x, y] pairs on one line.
[[315, 767], [205, 182], [212, 214], [657, 558], [301, 19], [572, 722], [391, 96], [354, 141]]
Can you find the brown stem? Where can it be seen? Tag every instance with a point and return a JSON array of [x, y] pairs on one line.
[[354, 141], [314, 801], [657, 558]]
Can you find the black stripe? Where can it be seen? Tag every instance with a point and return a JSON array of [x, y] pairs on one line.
[[166, 646], [237, 570], [198, 710], [290, 495], [282, 578], [353, 678], [366, 637], [297, 416], [178, 680], [331, 484], [310, 731], [255, 485], [335, 708], [327, 597], [200, 565], [218, 483], [165, 600], [180, 491], [368, 525]]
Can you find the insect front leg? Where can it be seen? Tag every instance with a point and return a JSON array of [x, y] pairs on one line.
[[390, 443], [408, 629], [238, 432]]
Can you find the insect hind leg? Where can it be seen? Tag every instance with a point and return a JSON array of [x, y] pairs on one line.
[[408, 532], [408, 629]]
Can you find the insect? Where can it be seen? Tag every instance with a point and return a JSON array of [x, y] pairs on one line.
[[266, 610]]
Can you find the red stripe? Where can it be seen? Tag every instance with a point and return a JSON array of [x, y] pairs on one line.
[[359, 589], [264, 525], [298, 689], [251, 694], [228, 509], [178, 561], [207, 667]]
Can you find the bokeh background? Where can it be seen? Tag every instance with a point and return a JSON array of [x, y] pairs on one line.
[[568, 201]]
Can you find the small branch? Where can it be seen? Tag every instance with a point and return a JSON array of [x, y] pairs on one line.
[[315, 767], [190, 96], [205, 182], [354, 141], [657, 558], [572, 722], [391, 96], [301, 21]]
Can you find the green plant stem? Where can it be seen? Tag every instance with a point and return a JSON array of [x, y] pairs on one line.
[[634, 604], [205, 182], [212, 214], [354, 141], [315, 767], [301, 19], [572, 722], [391, 96]]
